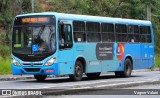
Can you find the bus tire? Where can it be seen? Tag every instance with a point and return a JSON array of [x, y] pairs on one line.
[[78, 72], [127, 69], [93, 75], [40, 77]]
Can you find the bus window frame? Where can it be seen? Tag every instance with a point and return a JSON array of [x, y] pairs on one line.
[[78, 31], [122, 33], [60, 44], [106, 23], [134, 34], [149, 34], [93, 32]]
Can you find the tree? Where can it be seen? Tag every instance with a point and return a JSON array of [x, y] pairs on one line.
[[135, 9]]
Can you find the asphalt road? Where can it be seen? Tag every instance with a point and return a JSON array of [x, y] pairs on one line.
[[63, 84], [145, 89]]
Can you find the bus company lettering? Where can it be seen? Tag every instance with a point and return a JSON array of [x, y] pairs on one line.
[[94, 63], [105, 48]]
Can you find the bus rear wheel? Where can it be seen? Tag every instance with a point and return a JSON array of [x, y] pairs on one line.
[[40, 77], [93, 75], [127, 69], [78, 72]]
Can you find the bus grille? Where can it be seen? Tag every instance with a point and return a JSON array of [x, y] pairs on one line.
[[28, 64], [32, 69]]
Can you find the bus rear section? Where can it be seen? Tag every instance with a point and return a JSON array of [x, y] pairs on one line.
[[108, 46]]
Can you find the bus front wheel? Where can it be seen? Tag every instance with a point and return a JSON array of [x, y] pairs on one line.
[[78, 72], [40, 77], [127, 69]]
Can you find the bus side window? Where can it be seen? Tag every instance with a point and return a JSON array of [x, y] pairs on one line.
[[65, 36], [121, 33], [145, 34], [79, 31]]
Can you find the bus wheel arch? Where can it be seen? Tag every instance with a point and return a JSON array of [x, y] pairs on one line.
[[130, 58], [83, 61], [79, 69], [127, 70], [128, 66]]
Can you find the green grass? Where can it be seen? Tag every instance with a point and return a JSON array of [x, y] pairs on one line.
[[5, 58], [157, 61], [5, 65]]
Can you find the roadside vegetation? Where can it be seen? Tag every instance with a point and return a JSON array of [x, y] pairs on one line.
[[5, 66], [157, 61], [134, 9], [5, 58]]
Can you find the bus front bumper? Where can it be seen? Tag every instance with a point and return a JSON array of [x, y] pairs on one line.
[[38, 70]]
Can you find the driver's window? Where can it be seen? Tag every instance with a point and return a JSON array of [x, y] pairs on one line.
[[65, 36]]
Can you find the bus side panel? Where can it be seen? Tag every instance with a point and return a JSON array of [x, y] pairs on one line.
[[66, 68], [142, 55], [93, 65], [134, 51], [111, 65], [88, 51], [66, 63], [147, 55], [108, 52], [151, 55]]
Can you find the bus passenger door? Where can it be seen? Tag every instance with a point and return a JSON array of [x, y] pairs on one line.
[[65, 57]]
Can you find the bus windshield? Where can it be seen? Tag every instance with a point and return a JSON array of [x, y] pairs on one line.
[[33, 40]]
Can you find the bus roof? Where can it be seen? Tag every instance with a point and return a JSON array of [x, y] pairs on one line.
[[91, 18]]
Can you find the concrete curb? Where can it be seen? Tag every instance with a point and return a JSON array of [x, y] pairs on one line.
[[18, 77], [12, 78]]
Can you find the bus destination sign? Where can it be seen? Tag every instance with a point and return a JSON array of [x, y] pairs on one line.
[[35, 19]]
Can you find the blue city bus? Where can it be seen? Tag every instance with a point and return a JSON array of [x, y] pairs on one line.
[[52, 43]]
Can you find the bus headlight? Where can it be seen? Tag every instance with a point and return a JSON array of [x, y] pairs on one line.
[[51, 61], [15, 62]]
